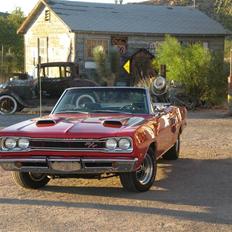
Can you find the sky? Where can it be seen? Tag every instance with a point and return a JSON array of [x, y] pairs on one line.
[[27, 5]]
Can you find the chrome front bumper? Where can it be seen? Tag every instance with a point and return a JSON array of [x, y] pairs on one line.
[[60, 165]]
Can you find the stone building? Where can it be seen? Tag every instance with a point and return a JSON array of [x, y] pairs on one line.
[[69, 30]]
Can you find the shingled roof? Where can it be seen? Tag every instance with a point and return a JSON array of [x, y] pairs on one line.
[[131, 18]]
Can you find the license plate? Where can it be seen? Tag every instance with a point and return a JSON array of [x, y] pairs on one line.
[[65, 166]]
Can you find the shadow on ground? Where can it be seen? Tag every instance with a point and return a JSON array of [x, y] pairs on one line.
[[188, 182]]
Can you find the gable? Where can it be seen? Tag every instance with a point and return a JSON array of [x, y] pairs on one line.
[[39, 26], [37, 17]]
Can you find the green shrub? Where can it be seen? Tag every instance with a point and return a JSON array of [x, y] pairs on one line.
[[199, 71]]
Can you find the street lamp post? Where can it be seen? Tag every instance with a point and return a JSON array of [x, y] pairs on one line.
[[230, 86]]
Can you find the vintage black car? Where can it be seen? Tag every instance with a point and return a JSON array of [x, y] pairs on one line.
[[22, 90]]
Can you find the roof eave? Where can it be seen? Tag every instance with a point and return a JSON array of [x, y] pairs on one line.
[[152, 34]]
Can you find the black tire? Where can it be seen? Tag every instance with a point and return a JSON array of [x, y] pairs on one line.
[[8, 105], [30, 180], [140, 181], [173, 153]]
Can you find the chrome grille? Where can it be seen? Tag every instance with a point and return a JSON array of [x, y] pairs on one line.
[[67, 144]]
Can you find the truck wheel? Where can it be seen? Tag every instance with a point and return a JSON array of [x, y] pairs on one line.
[[8, 105], [173, 153], [142, 179], [30, 180]]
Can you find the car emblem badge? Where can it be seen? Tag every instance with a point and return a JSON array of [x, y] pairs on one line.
[[91, 145]]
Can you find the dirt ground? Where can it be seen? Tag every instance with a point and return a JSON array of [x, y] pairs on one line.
[[191, 194]]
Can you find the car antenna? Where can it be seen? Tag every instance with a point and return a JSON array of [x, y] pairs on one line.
[[39, 78]]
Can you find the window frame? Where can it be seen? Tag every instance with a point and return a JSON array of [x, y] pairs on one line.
[[96, 40]]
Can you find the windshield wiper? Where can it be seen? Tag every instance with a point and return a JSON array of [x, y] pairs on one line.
[[71, 112], [110, 111]]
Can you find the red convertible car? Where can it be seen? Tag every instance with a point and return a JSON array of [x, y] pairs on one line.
[[95, 132]]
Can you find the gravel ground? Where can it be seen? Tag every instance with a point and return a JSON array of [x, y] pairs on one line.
[[191, 194]]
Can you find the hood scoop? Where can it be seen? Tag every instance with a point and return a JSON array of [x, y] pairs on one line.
[[45, 122], [117, 123]]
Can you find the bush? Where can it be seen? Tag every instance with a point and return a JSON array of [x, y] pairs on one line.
[[216, 91], [199, 71], [228, 47]]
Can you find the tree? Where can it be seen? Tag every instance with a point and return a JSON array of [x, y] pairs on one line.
[[199, 71], [11, 41]]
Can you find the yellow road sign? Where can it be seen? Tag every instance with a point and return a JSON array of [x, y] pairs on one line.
[[127, 66]]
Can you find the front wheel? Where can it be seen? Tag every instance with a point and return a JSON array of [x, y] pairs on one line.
[[8, 105], [30, 180], [142, 179]]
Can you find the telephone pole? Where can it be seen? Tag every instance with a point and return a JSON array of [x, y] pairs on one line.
[[230, 86]]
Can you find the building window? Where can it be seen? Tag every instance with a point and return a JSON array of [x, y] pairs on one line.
[[47, 15], [90, 44]]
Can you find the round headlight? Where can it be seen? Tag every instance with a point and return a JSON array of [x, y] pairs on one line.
[[10, 143], [124, 144], [23, 143], [159, 83], [111, 144]]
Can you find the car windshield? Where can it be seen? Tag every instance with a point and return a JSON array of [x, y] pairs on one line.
[[103, 100]]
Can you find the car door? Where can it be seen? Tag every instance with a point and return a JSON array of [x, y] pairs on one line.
[[165, 132]]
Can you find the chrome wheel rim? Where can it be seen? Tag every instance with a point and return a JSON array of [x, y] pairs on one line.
[[145, 172], [36, 176]]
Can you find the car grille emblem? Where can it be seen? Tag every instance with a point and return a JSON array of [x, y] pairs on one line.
[[91, 145]]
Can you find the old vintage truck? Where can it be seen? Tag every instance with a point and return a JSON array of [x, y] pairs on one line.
[[23, 90]]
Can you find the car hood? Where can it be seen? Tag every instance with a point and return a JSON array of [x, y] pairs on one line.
[[78, 126]]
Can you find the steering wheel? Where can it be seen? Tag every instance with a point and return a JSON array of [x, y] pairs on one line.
[[83, 99]]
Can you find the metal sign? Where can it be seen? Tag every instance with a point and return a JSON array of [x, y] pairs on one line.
[[127, 66]]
